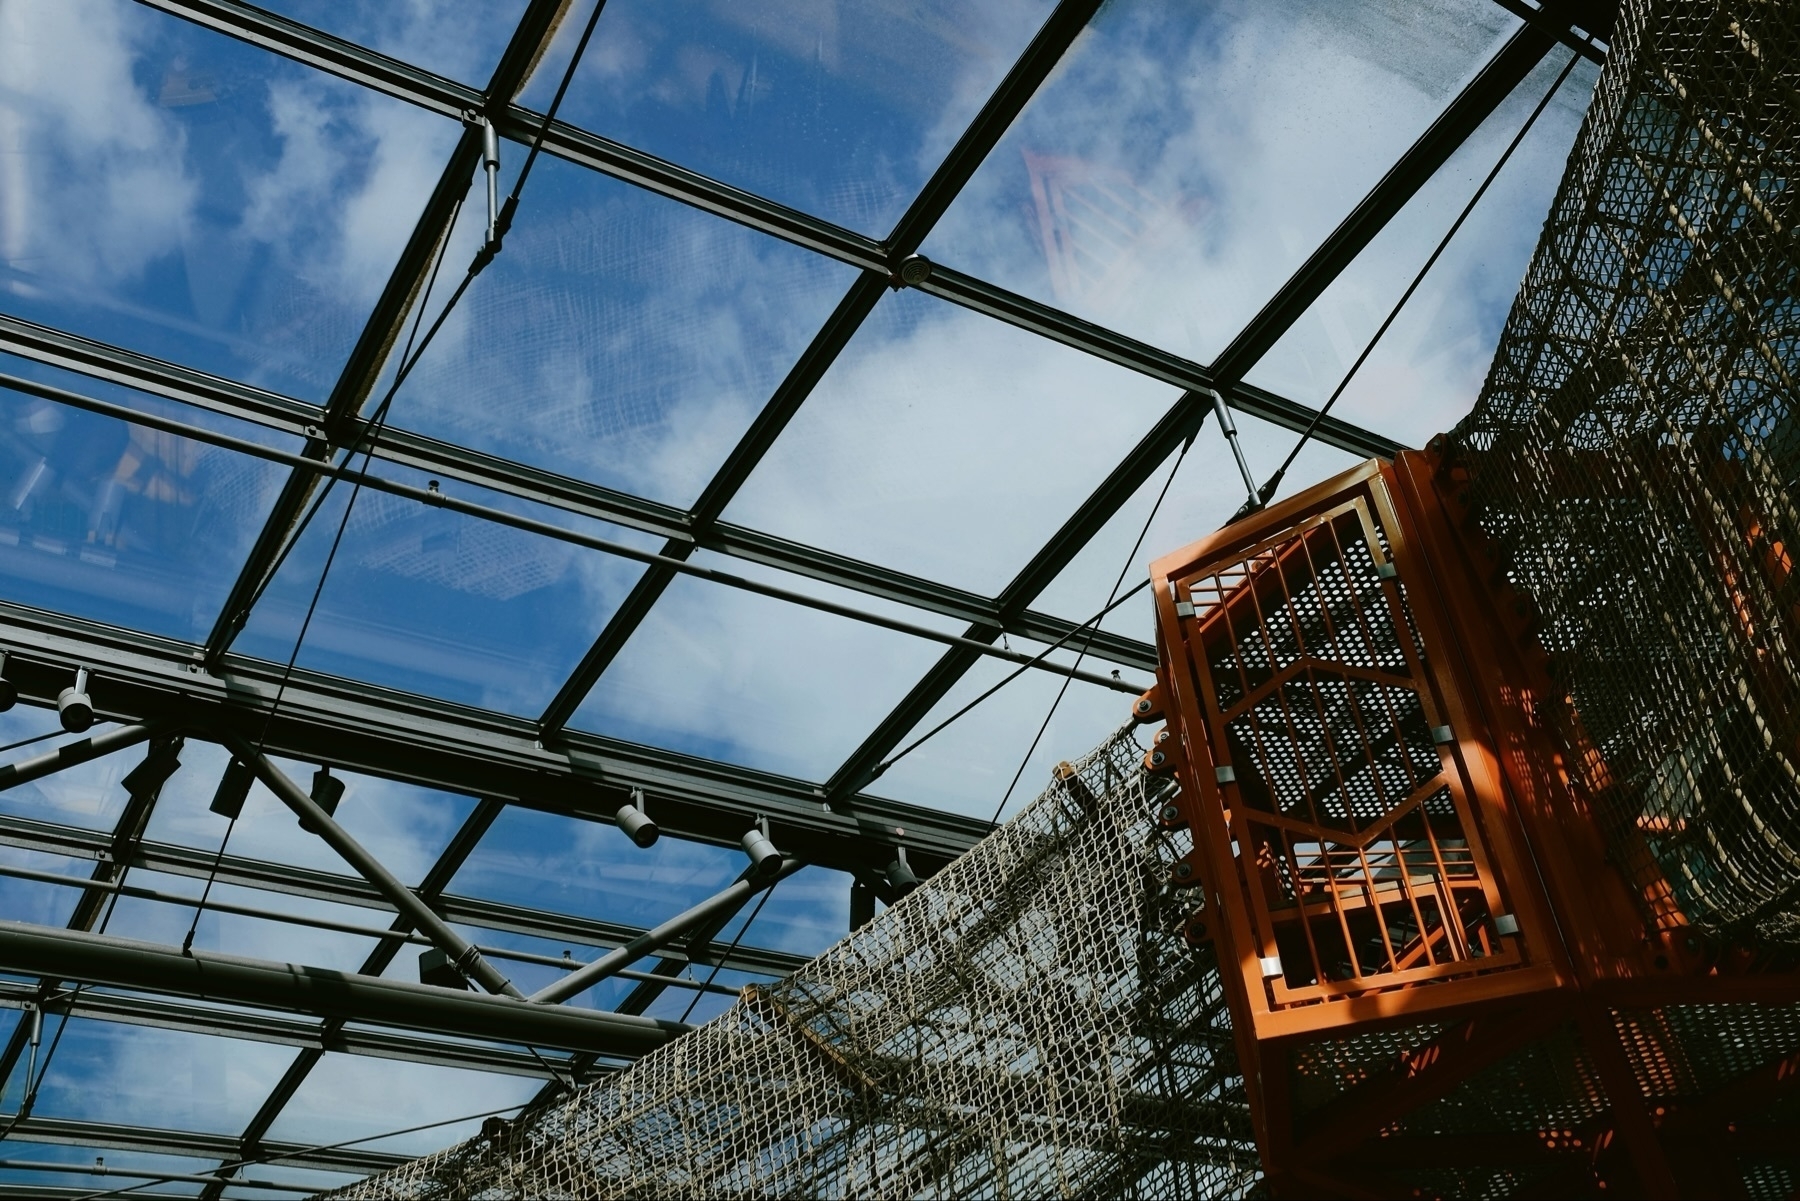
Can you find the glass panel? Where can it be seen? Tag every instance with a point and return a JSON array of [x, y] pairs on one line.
[[120, 523], [348, 1096], [87, 795], [726, 674], [590, 869], [185, 194], [620, 338], [236, 934], [168, 1079], [119, 1165], [404, 826], [427, 600], [968, 766], [36, 901], [1429, 367], [461, 40], [947, 444], [1184, 159], [840, 109], [1205, 494]]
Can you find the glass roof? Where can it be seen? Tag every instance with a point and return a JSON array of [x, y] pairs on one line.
[[693, 347]]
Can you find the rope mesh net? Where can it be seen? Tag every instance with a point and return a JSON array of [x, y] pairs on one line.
[[1028, 1023], [1634, 451]]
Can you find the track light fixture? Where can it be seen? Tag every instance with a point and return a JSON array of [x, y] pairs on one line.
[[900, 875], [327, 791], [234, 787], [9, 691], [435, 968], [150, 775], [73, 705], [637, 825], [765, 860]]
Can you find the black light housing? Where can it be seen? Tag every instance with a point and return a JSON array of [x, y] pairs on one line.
[[436, 969], [150, 775], [765, 860], [899, 873], [327, 791], [234, 787]]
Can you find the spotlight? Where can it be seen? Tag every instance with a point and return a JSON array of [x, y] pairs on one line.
[[435, 968], [765, 860], [637, 826], [73, 705], [9, 691], [899, 874], [234, 786], [327, 791], [150, 775]]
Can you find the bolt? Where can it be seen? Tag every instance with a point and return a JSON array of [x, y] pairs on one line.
[[1183, 870], [1170, 812], [1157, 758], [1143, 705]]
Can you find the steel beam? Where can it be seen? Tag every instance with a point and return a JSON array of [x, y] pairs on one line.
[[149, 1140], [81, 750], [207, 975], [442, 745], [461, 951], [728, 899], [285, 1030], [292, 880]]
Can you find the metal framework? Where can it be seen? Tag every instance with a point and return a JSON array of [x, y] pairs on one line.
[[207, 691]]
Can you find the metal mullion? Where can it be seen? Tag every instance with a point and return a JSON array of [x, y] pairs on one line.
[[118, 1136]]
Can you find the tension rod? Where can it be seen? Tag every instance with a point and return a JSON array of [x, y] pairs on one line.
[[1231, 435], [490, 163]]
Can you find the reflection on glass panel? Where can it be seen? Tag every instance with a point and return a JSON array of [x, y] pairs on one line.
[[402, 825], [347, 1096], [590, 869], [450, 37], [1185, 159], [1425, 373], [843, 110], [967, 767], [947, 444], [167, 1079], [182, 193], [427, 600], [726, 674], [1206, 492], [621, 338], [120, 523]]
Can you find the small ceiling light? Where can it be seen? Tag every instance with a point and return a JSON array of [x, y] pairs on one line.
[[765, 860], [632, 819], [915, 269], [900, 875], [9, 691], [327, 791], [150, 775], [234, 786], [73, 705]]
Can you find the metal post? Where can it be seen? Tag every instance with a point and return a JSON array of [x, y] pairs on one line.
[[461, 951], [613, 961], [71, 753]]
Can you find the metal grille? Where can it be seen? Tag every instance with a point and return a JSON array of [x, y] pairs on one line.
[[1029, 1023], [1634, 450]]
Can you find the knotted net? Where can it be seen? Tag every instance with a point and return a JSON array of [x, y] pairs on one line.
[[1028, 1023]]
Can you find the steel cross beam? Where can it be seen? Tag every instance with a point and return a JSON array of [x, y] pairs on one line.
[[684, 530], [1523, 51], [576, 145], [114, 1136]]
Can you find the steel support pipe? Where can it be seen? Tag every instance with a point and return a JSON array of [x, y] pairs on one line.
[[126, 963], [70, 753], [461, 951], [652, 940]]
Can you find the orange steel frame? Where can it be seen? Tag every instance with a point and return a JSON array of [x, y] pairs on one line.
[[1347, 895]]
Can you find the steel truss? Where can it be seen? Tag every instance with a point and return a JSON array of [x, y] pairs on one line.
[[207, 692]]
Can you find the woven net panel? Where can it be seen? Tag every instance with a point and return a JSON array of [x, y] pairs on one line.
[[1635, 448], [1028, 1023]]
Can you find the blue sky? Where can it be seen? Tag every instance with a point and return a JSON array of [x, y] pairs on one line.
[[189, 197]]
